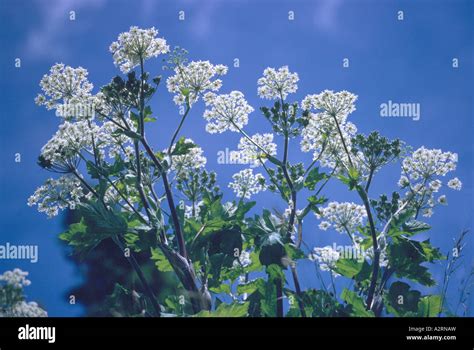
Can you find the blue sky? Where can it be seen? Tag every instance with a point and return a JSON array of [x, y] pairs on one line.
[[402, 61]]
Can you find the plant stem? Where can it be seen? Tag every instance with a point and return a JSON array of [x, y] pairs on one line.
[[279, 295], [375, 246], [296, 281], [146, 287], [169, 197], [175, 135]]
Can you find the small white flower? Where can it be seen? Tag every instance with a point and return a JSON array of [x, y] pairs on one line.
[[435, 185], [324, 225], [276, 84], [442, 199], [136, 45], [455, 184], [428, 212], [246, 184], [403, 182]]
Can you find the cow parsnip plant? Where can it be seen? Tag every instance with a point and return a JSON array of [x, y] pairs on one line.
[[226, 261]]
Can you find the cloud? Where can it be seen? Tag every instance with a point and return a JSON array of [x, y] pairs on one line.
[[202, 18], [47, 40], [325, 17]]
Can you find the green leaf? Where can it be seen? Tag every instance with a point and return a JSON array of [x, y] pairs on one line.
[[415, 226], [182, 147], [429, 306], [402, 301], [275, 272], [272, 250], [161, 262], [317, 303], [348, 267], [80, 239], [226, 310], [357, 304], [223, 288], [406, 257], [313, 177], [101, 220], [250, 287]]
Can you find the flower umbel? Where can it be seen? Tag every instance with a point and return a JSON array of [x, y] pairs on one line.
[[194, 79], [326, 257], [135, 46], [276, 84], [246, 183], [58, 194], [63, 86], [227, 112], [345, 217], [254, 155]]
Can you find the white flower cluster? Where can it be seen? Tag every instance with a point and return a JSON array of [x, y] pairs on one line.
[[426, 163], [194, 79], [243, 260], [25, 309], [65, 86], [192, 211], [322, 135], [420, 175], [70, 139], [276, 84], [455, 184], [16, 278], [254, 155], [74, 137], [193, 159], [246, 183], [339, 104], [55, 194], [326, 257], [136, 45], [345, 217], [228, 112]]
